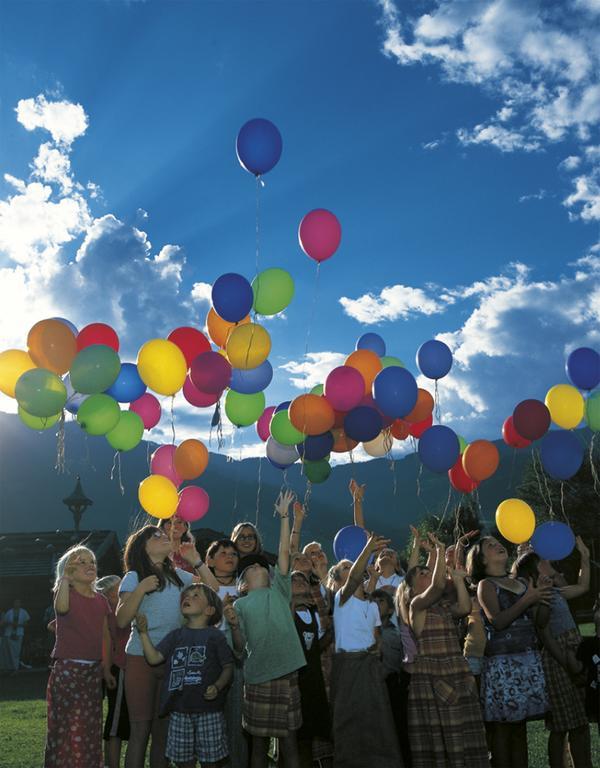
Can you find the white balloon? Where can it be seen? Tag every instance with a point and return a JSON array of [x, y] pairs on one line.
[[381, 445]]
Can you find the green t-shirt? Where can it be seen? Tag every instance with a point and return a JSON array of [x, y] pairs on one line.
[[272, 645]]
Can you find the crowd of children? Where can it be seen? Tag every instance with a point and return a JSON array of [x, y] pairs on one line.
[[242, 659]]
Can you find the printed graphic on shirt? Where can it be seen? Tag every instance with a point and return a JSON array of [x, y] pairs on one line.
[[308, 639], [184, 667]]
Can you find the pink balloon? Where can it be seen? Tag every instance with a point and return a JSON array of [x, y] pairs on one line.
[[344, 388], [263, 424], [319, 234], [148, 409], [200, 399], [193, 503], [210, 372], [162, 463]]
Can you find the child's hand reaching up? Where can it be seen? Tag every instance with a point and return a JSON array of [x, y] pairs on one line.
[[229, 612], [376, 543], [299, 513], [282, 505], [357, 491]]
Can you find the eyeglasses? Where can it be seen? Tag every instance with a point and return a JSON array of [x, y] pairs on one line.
[[247, 537], [158, 534]]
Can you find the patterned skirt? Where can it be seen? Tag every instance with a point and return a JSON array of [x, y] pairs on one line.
[[74, 696], [567, 701], [272, 708], [513, 688]]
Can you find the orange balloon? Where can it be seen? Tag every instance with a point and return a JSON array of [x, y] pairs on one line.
[[423, 408], [219, 329], [52, 345], [342, 442], [480, 460], [311, 414], [366, 363], [400, 429], [191, 459]]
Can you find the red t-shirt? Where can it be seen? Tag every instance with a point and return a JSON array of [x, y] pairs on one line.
[[79, 631]]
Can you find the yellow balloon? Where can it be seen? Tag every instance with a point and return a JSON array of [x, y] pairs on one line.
[[515, 520], [158, 496], [566, 405], [13, 363], [381, 445], [248, 346], [162, 366]]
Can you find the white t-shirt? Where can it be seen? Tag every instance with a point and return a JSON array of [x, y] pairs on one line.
[[9, 617], [390, 581], [354, 624]]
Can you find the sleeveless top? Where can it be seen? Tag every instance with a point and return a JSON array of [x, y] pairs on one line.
[[518, 637], [561, 620]]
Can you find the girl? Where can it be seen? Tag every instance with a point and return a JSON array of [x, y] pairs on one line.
[[513, 688], [178, 531], [386, 572], [247, 539], [81, 659]]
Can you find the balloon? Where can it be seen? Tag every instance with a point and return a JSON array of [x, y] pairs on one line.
[[283, 406], [400, 429], [417, 428], [319, 234], [243, 410], [318, 389], [316, 471], [372, 341], [232, 297], [423, 407], [252, 380], [94, 369], [248, 346], [342, 443], [273, 290], [561, 454], [583, 368], [311, 414], [162, 462], [367, 364], [395, 391], [193, 503], [439, 448], [74, 399], [148, 409], [566, 405], [97, 333], [349, 542], [381, 445], [553, 541], [210, 372], [258, 146], [38, 423], [386, 420], [344, 388], [128, 385], [434, 359], [52, 345], [283, 430], [283, 455], [480, 460], [219, 329], [592, 412], [459, 478], [463, 444], [40, 392], [531, 419], [362, 424], [127, 433], [71, 326], [162, 366], [511, 436], [98, 414], [316, 447], [263, 424], [190, 341], [158, 496], [191, 459], [515, 520], [195, 397], [13, 363], [390, 360]]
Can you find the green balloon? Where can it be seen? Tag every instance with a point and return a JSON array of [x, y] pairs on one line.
[[283, 431], [273, 290], [36, 422], [316, 471], [463, 443], [94, 369], [98, 414], [592, 412], [128, 432], [243, 410], [40, 393], [390, 360], [317, 390]]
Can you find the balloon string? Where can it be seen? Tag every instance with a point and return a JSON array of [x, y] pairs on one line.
[[548, 491], [173, 419], [259, 184], [445, 507], [307, 495], [436, 401], [117, 466], [512, 468], [593, 469], [148, 462], [311, 316], [562, 502], [258, 489], [60, 445], [537, 477]]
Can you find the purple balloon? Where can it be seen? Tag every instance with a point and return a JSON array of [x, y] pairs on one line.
[[264, 423], [148, 409], [200, 399], [531, 419], [162, 463], [210, 372], [344, 388]]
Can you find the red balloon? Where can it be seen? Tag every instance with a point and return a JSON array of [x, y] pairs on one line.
[[190, 341], [97, 333], [418, 427], [148, 409], [263, 424], [511, 436], [400, 429], [459, 478], [319, 234], [531, 419], [195, 397]]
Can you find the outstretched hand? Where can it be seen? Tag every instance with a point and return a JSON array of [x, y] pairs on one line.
[[357, 491], [376, 543], [299, 512], [282, 505], [229, 611]]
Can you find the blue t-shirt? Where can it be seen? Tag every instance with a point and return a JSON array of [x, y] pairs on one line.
[[195, 658]]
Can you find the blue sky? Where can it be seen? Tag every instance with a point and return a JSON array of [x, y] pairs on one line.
[[457, 142]]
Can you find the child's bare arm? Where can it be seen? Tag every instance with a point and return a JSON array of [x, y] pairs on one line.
[[152, 655], [212, 691], [438, 583], [233, 620], [107, 656], [282, 507], [61, 596], [462, 606], [357, 491], [583, 582], [374, 544]]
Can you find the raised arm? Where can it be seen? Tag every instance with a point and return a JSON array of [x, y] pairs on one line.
[[462, 606], [355, 577], [461, 545], [233, 620], [129, 602], [202, 573], [583, 582], [61, 596], [357, 491], [438, 582], [153, 656], [282, 507], [488, 600], [299, 514]]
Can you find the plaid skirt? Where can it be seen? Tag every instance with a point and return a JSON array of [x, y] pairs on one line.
[[272, 708], [567, 701]]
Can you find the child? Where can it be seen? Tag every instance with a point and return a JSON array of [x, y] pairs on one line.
[[222, 558], [199, 669], [81, 659], [267, 633], [386, 572]]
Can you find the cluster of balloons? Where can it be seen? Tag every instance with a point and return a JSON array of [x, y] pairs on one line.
[[551, 540]]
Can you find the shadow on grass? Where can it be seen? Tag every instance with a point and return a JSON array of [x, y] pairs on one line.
[[23, 686]]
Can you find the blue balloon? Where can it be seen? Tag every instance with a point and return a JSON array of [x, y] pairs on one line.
[[553, 541], [395, 391], [316, 447], [128, 385], [439, 448], [74, 399], [561, 454], [258, 146], [583, 368], [372, 341], [68, 323], [363, 423], [232, 297], [253, 380], [283, 406], [349, 542], [434, 359]]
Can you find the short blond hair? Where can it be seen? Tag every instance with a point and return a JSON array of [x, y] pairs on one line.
[[66, 558]]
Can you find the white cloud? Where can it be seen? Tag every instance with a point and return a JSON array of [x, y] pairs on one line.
[[586, 196], [202, 292], [64, 121], [570, 163], [431, 144], [313, 369], [393, 303], [502, 138], [542, 194]]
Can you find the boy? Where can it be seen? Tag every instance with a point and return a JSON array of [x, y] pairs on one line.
[[200, 666]]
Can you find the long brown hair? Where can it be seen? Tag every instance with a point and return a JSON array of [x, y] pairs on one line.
[[135, 558]]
